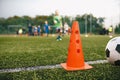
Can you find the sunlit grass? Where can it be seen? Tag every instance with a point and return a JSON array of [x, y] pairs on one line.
[[18, 52], [32, 51]]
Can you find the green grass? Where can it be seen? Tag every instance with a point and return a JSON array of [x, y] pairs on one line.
[[31, 51], [18, 52], [99, 72]]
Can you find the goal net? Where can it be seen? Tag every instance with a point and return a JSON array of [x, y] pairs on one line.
[[13, 29]]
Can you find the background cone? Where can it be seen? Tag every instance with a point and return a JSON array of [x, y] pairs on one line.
[[75, 59]]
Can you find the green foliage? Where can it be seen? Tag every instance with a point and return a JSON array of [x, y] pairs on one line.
[[94, 25], [117, 29], [92, 22]]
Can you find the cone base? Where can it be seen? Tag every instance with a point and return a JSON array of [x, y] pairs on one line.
[[86, 66]]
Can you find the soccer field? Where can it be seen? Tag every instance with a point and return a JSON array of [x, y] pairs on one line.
[[17, 52]]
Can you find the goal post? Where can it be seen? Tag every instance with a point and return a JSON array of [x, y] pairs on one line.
[[13, 29]]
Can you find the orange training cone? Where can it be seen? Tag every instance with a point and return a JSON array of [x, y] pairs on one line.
[[75, 59]]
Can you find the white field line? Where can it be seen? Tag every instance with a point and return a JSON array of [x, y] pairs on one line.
[[45, 67]]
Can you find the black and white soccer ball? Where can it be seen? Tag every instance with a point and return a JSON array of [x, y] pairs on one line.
[[113, 51]]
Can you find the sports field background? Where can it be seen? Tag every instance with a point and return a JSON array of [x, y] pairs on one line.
[[28, 51]]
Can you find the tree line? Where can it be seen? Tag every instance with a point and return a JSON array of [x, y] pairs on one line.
[[87, 22]]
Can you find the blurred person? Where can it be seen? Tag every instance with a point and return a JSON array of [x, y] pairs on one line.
[[46, 28], [69, 30], [110, 31], [38, 30], [30, 29], [66, 27], [57, 19], [17, 32], [20, 31], [35, 31]]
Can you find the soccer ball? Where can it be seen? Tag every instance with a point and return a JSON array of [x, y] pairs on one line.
[[113, 51]]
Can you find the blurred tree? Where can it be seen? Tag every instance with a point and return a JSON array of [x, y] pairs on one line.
[[93, 24], [89, 23], [26, 20], [117, 29], [3, 25]]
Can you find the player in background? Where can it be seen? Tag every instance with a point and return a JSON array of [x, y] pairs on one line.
[[58, 24], [20, 31], [38, 30], [46, 28], [110, 31], [30, 29]]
